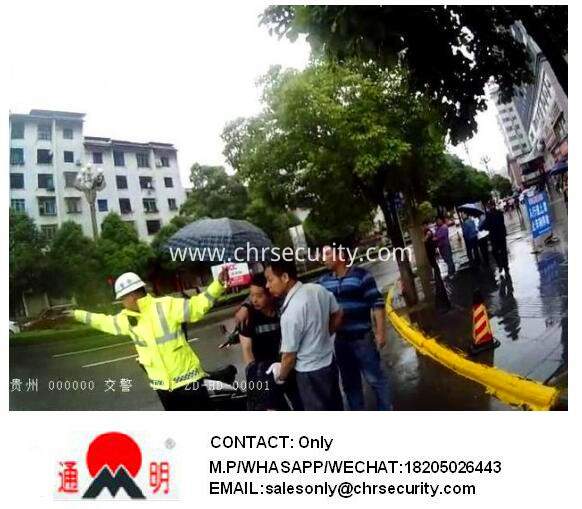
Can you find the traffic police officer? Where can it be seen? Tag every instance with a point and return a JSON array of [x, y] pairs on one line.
[[154, 326]]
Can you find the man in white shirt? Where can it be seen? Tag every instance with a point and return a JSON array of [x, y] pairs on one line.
[[309, 316]]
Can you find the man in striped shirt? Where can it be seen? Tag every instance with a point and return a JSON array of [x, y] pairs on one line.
[[357, 340]]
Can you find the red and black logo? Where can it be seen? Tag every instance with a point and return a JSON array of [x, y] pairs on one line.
[[113, 460]]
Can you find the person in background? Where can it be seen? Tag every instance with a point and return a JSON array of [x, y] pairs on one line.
[[358, 340], [494, 223], [470, 234], [482, 240], [431, 249], [444, 245], [309, 316], [260, 340]]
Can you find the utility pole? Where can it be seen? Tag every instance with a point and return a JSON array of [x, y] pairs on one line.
[[486, 160], [90, 181]]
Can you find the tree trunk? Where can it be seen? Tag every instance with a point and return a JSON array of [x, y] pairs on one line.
[[423, 268], [390, 213]]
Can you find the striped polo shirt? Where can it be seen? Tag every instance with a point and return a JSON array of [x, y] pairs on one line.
[[356, 293]]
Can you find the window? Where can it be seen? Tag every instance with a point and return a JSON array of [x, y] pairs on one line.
[[17, 131], [125, 205], [73, 205], [121, 181], [67, 133], [118, 158], [172, 204], [49, 231], [44, 156], [69, 156], [560, 127], [44, 132], [149, 205], [165, 160], [143, 160], [45, 181], [102, 205], [16, 156], [17, 181], [145, 183], [97, 157], [153, 227], [70, 177], [168, 182], [17, 205], [47, 206]]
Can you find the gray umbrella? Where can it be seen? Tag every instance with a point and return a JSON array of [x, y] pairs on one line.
[[473, 209], [218, 239]]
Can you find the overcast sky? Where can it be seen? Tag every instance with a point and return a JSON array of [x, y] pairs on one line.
[[172, 72]]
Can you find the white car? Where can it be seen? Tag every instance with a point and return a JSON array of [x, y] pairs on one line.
[[14, 327]]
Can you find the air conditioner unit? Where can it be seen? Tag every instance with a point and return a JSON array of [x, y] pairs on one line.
[[158, 164], [78, 162]]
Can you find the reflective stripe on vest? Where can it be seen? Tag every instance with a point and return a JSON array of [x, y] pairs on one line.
[[116, 325], [186, 310], [186, 376], [209, 297], [168, 336]]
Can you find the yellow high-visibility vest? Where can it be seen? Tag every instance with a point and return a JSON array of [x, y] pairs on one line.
[[158, 338]]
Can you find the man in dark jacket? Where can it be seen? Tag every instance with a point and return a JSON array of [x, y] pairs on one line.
[[494, 223]]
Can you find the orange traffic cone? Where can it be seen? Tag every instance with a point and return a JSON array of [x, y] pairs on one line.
[[483, 339]]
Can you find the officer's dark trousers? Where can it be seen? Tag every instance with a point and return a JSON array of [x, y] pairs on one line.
[[193, 396]]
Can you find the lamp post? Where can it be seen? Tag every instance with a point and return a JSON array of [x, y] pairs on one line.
[[89, 181]]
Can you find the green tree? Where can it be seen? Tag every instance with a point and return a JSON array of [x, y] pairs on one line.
[[120, 250], [215, 194], [452, 51], [28, 268], [75, 268], [502, 185], [459, 184], [344, 138]]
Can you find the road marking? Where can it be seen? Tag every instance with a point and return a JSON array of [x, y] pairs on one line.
[[92, 349], [120, 358], [110, 361]]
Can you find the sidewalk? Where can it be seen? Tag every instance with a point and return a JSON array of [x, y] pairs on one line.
[[528, 314]]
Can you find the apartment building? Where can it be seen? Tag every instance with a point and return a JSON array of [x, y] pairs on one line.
[[47, 149]]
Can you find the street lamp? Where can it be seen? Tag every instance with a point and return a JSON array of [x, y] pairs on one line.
[[89, 181]]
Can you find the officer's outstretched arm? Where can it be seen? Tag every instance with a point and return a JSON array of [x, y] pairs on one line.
[[194, 308], [110, 324]]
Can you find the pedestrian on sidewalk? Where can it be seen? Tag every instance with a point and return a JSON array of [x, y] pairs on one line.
[[470, 234], [494, 223], [431, 250], [309, 316], [482, 240], [444, 245], [357, 341], [260, 340]]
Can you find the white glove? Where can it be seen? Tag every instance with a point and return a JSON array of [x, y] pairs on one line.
[[275, 370]]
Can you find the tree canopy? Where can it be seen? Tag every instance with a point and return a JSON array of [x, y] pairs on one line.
[[460, 184], [339, 140], [502, 185], [451, 51]]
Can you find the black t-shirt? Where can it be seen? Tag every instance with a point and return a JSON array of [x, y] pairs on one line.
[[265, 334]]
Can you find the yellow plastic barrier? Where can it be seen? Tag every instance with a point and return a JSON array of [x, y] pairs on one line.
[[508, 387]]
